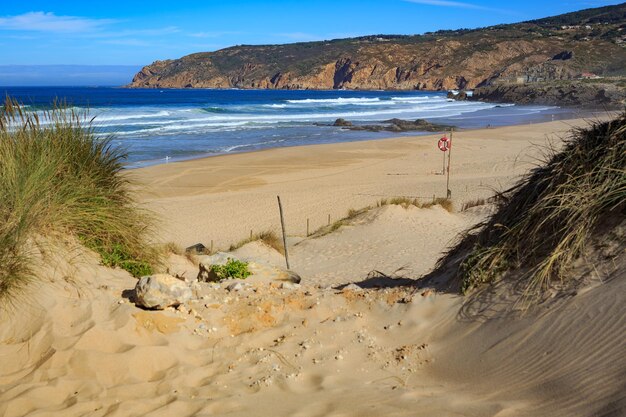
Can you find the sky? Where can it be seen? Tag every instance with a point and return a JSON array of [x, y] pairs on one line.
[[136, 33]]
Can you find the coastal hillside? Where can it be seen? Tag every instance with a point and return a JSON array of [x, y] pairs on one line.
[[586, 43]]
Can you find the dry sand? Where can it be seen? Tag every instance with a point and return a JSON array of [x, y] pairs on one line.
[[222, 198], [76, 349]]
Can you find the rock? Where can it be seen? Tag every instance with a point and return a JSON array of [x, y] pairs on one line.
[[460, 96], [396, 125], [351, 287], [160, 291], [197, 248], [565, 93], [563, 56], [289, 286], [342, 123], [205, 274], [235, 286]]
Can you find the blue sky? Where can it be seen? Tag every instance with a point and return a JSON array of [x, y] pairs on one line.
[[130, 32]]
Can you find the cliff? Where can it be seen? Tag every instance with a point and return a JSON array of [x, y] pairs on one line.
[[557, 48], [608, 94]]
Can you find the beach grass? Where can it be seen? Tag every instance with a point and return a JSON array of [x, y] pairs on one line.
[[268, 237], [59, 181], [407, 202], [473, 203], [543, 223]]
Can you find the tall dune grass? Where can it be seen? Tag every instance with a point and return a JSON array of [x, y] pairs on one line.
[[544, 222], [57, 179]]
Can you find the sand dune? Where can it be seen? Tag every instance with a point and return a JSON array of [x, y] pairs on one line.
[[79, 347]]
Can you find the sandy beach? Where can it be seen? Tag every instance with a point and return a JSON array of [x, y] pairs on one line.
[[80, 347], [222, 198]]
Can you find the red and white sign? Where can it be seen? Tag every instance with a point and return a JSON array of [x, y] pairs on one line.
[[444, 144]]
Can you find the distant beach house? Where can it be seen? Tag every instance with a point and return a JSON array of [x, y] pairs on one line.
[[589, 76]]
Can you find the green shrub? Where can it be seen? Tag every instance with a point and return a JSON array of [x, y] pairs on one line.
[[59, 180], [233, 268], [121, 257]]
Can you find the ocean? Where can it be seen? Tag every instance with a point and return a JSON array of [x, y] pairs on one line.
[[160, 126]]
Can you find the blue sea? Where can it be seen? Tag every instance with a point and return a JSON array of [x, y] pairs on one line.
[[159, 126]]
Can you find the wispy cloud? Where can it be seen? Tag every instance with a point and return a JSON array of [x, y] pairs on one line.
[[50, 22], [459, 4], [213, 34], [169, 30]]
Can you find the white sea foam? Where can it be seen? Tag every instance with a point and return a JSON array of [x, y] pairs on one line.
[[215, 123], [104, 117], [339, 100]]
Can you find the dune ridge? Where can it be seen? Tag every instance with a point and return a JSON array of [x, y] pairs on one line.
[[386, 345]]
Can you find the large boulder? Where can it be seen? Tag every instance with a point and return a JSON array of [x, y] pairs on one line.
[[160, 291]]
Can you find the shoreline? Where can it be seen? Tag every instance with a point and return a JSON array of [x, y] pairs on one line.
[[223, 198], [577, 113]]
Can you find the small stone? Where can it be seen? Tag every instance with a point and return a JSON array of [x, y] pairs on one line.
[[352, 287], [289, 286], [235, 286], [338, 357]]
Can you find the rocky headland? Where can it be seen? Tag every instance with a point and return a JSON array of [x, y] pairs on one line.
[[604, 94], [556, 48]]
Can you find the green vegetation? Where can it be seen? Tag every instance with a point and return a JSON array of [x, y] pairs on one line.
[[119, 256], [414, 61], [233, 268], [406, 202], [268, 237], [543, 223], [58, 183]]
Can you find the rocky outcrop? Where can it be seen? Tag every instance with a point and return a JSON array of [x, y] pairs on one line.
[[572, 93], [160, 291], [394, 125], [463, 59]]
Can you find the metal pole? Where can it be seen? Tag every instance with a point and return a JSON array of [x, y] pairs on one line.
[[449, 193], [282, 223]]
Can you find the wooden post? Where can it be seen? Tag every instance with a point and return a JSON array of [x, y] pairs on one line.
[[448, 192], [329, 219], [250, 233], [443, 170], [211, 246], [282, 223], [307, 227]]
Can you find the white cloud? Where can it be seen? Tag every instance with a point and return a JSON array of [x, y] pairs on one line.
[[448, 3], [213, 34], [50, 22]]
